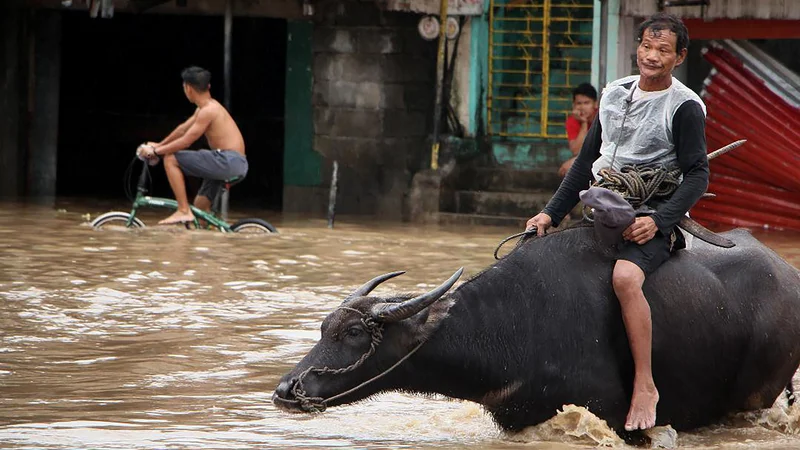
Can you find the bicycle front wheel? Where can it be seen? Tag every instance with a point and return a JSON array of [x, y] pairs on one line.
[[115, 220], [254, 226]]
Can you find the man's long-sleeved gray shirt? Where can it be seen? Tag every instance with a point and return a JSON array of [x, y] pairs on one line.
[[667, 135]]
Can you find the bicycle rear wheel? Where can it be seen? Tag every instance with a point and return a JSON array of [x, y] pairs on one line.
[[254, 226], [115, 220]]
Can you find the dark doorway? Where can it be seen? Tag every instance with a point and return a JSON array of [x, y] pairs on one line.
[[121, 85]]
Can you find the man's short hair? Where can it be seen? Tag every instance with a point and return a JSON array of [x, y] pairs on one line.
[[585, 89], [197, 77], [664, 21]]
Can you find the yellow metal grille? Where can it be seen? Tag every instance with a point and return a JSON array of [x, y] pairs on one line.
[[539, 50]]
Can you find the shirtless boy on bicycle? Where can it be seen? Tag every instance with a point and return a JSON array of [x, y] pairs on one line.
[[225, 161]]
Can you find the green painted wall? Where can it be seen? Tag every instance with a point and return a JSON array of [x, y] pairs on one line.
[[479, 72], [301, 164]]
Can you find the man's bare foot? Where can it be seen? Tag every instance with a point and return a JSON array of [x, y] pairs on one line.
[[177, 217], [642, 414]]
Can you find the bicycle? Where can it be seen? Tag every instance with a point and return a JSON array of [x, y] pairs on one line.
[[215, 218]]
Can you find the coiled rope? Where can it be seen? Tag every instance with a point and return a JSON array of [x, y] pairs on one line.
[[638, 185]]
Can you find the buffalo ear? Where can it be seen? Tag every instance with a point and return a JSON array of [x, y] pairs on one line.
[[395, 312]]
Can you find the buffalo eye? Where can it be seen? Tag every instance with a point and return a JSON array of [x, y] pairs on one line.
[[354, 332]]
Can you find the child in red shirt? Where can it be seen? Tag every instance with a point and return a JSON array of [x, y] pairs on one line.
[[584, 111]]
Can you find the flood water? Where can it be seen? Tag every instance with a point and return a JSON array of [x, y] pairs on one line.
[[168, 338]]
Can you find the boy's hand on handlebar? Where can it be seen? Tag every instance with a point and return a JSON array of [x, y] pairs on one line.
[[147, 152]]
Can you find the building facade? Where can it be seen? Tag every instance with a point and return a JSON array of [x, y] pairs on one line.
[[351, 81]]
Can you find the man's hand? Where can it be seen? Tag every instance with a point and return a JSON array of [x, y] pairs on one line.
[[541, 221], [562, 171], [146, 151], [641, 230], [579, 115]]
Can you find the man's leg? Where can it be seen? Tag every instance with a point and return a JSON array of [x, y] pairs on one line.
[[207, 193], [628, 279], [178, 185], [202, 202]]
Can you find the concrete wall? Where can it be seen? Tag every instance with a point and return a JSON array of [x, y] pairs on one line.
[[373, 101]]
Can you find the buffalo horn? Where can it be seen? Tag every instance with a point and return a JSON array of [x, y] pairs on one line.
[[703, 233], [367, 287], [395, 312]]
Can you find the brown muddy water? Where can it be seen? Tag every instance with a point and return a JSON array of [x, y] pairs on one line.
[[168, 338]]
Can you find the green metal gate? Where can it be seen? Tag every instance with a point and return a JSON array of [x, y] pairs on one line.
[[539, 50]]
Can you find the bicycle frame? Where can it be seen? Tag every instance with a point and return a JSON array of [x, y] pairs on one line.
[[142, 201]]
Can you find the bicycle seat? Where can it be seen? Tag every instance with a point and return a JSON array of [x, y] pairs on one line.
[[233, 180]]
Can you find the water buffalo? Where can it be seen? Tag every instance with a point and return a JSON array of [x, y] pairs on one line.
[[541, 328]]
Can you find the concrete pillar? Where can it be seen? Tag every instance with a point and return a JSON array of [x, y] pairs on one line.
[[42, 157], [10, 180], [424, 196], [613, 42], [626, 54]]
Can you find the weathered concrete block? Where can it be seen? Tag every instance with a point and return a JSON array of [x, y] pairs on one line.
[[367, 153], [353, 152], [335, 40], [404, 123], [393, 185], [393, 96], [361, 67], [377, 40], [319, 93], [408, 68], [397, 152], [359, 123], [327, 66], [333, 147], [393, 69], [357, 194], [348, 122], [323, 121], [423, 200], [358, 14], [354, 95]]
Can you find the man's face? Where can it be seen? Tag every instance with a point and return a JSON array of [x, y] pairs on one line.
[[584, 106], [657, 54], [187, 91]]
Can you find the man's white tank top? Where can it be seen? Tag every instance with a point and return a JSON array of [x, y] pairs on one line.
[[646, 139]]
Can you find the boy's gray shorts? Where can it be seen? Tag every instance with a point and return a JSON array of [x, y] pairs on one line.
[[213, 166]]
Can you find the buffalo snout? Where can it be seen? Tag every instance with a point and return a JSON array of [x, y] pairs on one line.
[[283, 398]]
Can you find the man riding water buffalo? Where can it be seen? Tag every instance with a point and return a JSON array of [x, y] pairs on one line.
[[647, 120], [562, 319]]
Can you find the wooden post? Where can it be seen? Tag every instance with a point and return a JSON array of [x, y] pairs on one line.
[[437, 107], [332, 194]]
